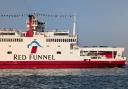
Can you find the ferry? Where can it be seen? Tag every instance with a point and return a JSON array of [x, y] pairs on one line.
[[37, 48]]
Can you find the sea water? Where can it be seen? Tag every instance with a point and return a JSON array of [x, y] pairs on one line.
[[96, 78]]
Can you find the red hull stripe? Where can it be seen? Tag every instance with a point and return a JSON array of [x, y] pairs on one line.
[[60, 64]]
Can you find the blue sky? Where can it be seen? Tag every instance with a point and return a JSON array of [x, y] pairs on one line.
[[99, 22]]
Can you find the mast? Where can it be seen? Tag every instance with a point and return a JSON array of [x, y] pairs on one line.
[[74, 25]]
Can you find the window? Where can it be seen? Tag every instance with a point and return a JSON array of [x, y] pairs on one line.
[[11, 40], [55, 40], [4, 39], [71, 52], [21, 40], [58, 52], [9, 45], [17, 39], [71, 46], [69, 40], [63, 40], [59, 40], [47, 46], [46, 40], [60, 34], [50, 40], [7, 33], [9, 52]]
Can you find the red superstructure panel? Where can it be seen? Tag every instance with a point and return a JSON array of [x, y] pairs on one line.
[[34, 49]]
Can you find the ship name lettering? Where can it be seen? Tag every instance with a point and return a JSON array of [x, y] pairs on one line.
[[19, 57], [41, 57]]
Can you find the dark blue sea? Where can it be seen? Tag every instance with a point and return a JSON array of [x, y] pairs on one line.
[[103, 78]]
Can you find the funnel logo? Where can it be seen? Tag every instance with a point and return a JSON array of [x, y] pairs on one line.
[[34, 45]]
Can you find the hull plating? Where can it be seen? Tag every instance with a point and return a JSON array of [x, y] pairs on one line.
[[59, 64]]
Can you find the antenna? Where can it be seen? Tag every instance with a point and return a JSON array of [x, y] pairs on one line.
[[36, 14], [74, 25]]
